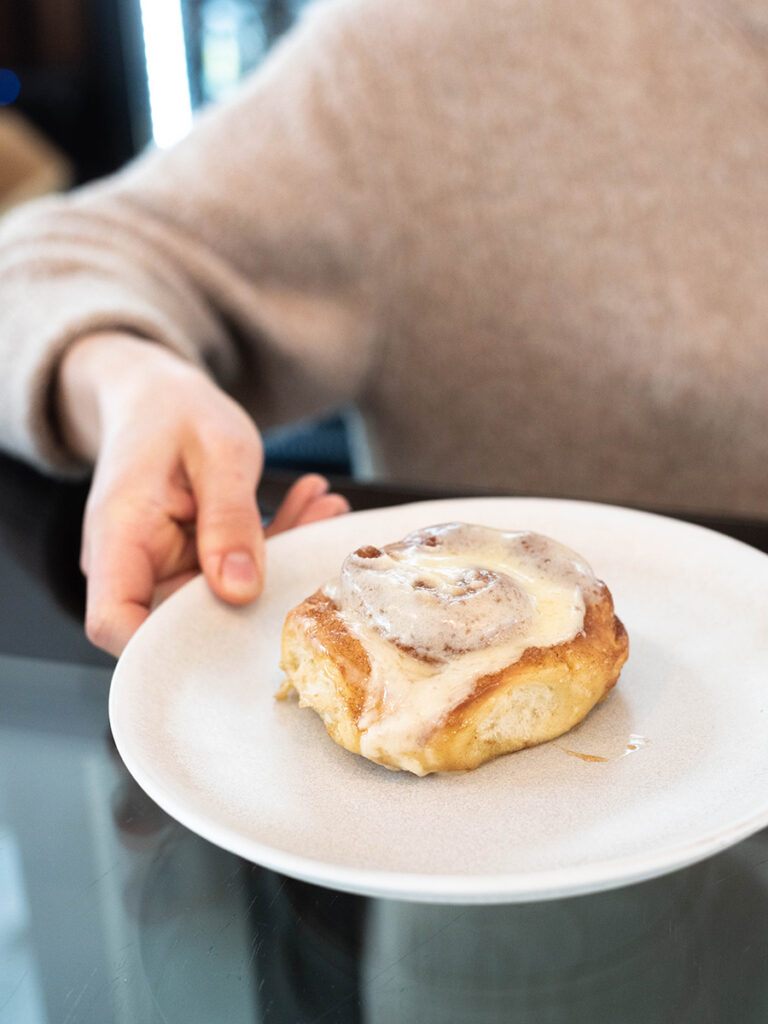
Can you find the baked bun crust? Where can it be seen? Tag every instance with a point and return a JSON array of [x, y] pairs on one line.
[[453, 646]]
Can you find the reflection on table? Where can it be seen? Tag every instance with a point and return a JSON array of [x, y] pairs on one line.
[[112, 912]]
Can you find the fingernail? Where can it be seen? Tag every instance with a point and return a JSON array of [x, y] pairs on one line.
[[239, 571]]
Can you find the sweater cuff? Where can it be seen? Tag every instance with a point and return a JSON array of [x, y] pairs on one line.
[[40, 330]]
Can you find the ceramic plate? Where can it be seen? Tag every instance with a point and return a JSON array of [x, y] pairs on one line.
[[670, 769]]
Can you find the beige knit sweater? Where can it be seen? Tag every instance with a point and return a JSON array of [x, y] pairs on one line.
[[528, 238]]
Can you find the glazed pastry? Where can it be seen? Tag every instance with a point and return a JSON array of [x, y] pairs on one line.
[[454, 645]]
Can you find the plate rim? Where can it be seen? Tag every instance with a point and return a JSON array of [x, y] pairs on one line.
[[499, 888], [494, 888]]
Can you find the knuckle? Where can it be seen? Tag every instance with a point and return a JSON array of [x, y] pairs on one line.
[[232, 452], [118, 510], [103, 506], [232, 430], [98, 627], [228, 522]]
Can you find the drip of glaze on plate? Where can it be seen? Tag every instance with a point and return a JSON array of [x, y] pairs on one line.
[[634, 743]]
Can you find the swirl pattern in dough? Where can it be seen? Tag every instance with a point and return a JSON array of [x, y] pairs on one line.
[[454, 645]]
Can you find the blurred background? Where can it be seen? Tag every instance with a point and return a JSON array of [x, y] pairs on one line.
[[103, 78], [99, 80]]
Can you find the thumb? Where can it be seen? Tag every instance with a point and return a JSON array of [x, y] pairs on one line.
[[230, 538]]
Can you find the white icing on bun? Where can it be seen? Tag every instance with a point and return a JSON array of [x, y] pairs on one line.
[[454, 588], [418, 636]]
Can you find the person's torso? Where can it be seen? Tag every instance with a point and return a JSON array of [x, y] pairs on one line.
[[580, 256]]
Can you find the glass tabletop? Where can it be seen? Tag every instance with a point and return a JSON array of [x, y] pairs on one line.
[[112, 912]]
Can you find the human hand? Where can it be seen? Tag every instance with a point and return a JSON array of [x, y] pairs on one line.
[[177, 463]]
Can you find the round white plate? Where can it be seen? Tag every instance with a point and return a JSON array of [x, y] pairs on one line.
[[684, 736]]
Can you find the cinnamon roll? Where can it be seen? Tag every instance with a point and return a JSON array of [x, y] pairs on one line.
[[454, 645]]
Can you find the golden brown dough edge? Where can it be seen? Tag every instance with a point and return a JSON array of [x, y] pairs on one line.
[[537, 698]]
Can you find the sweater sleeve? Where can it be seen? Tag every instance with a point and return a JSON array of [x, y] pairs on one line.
[[250, 248]]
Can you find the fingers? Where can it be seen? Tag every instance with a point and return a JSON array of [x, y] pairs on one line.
[[120, 586], [132, 563], [230, 541], [307, 501], [174, 486]]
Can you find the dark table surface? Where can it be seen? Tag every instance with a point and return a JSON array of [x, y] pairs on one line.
[[112, 912]]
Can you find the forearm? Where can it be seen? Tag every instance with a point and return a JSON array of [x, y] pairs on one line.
[[244, 248], [65, 275]]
